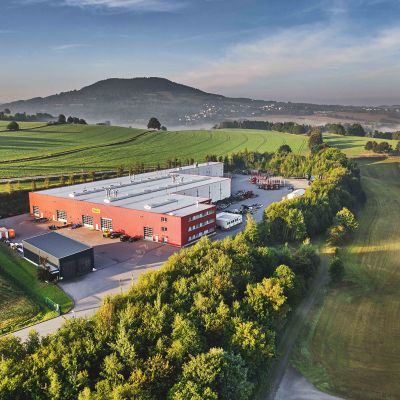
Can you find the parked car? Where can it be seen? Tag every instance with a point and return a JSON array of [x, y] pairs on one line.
[[115, 235], [124, 238], [134, 238], [53, 227], [64, 226], [40, 220], [76, 226]]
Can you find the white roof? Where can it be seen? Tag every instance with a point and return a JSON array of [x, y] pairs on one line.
[[296, 193], [224, 216], [156, 192]]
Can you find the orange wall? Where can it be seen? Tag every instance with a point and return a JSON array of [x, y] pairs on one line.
[[125, 220]]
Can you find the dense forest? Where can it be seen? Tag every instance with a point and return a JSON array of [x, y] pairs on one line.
[[206, 325]]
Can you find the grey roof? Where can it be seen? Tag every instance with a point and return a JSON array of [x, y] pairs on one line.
[[156, 192], [56, 245]]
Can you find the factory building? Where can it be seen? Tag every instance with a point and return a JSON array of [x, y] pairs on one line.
[[172, 206]]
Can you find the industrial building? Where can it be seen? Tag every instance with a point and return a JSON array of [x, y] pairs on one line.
[[172, 206], [65, 257]]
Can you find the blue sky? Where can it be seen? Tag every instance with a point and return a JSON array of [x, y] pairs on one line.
[[295, 50]]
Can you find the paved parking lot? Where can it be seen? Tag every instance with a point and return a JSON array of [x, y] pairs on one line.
[[264, 197], [117, 263]]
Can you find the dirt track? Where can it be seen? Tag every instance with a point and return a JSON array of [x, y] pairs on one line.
[[287, 383]]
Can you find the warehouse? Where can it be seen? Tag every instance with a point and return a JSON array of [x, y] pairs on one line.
[[171, 206], [65, 257]]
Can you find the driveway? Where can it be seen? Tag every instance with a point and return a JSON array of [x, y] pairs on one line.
[[117, 264]]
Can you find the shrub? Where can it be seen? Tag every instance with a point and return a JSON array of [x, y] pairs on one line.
[[336, 270]]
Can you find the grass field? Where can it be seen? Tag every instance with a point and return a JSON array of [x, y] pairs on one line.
[[22, 125], [151, 148], [352, 145], [73, 148], [22, 294], [352, 343], [16, 308]]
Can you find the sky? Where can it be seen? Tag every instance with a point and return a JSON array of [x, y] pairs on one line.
[[320, 51]]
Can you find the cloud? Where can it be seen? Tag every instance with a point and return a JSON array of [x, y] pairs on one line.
[[69, 46], [309, 54], [116, 5]]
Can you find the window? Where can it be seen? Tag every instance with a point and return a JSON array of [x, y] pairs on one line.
[[164, 229], [148, 232], [106, 224], [87, 220], [201, 215], [61, 216], [35, 210], [164, 219]]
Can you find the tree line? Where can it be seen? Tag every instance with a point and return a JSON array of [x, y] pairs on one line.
[[205, 324], [6, 115], [288, 127], [62, 119], [355, 129], [382, 147]]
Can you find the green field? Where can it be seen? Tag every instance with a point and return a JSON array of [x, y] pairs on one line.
[[352, 145], [22, 294], [22, 125], [352, 343], [92, 150], [73, 148], [16, 309]]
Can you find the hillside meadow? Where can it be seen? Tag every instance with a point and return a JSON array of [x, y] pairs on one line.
[[100, 147], [66, 148], [351, 344]]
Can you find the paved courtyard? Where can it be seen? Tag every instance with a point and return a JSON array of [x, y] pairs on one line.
[[119, 264]]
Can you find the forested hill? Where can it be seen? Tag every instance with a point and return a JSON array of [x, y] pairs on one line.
[[134, 101]]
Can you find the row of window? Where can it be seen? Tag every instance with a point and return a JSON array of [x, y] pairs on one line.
[[164, 219], [200, 224], [200, 234], [201, 215], [234, 221]]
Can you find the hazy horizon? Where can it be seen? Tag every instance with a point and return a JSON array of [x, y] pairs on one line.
[[318, 51]]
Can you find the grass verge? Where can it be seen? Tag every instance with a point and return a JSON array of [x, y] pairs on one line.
[[23, 295], [351, 344]]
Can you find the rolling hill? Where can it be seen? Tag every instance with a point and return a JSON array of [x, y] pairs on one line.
[[134, 101]]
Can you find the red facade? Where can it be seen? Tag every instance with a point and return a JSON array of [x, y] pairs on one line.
[[175, 230]]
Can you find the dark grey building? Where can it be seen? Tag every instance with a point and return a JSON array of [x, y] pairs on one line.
[[63, 255]]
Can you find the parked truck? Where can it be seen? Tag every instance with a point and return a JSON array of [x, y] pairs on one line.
[[7, 233]]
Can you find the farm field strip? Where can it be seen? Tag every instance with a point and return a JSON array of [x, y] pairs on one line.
[[48, 140], [157, 147], [73, 148], [352, 346]]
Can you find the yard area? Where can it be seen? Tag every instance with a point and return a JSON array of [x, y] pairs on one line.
[[16, 308], [351, 344], [23, 295]]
